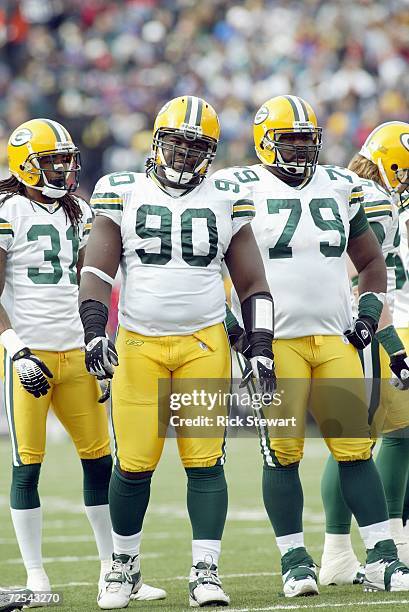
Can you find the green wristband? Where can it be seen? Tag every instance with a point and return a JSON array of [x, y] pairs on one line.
[[370, 305], [390, 340]]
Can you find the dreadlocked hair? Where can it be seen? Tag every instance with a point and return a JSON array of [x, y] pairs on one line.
[[365, 169], [11, 187]]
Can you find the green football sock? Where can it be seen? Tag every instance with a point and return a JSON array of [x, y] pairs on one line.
[[207, 501], [97, 474], [362, 490], [128, 501], [393, 466], [337, 514], [283, 498]]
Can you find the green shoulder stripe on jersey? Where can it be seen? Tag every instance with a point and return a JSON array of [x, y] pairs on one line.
[[87, 227], [244, 208], [378, 213], [6, 227], [357, 195], [107, 200], [378, 204], [358, 224]]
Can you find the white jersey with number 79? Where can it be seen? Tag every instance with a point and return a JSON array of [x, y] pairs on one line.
[[303, 238]]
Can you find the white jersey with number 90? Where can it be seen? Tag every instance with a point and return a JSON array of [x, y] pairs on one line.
[[172, 250]]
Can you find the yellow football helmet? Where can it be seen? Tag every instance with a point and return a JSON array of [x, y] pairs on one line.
[[387, 146], [185, 137], [274, 121], [42, 155]]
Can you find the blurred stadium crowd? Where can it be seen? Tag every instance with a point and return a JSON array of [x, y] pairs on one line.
[[104, 67]]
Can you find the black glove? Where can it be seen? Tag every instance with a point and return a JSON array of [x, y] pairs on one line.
[[263, 372], [262, 369], [31, 370], [238, 339], [101, 357], [362, 332], [400, 367]]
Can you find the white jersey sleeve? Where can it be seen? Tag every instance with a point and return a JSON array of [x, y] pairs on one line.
[[109, 195], [236, 183], [6, 231], [383, 220], [356, 196], [86, 223]]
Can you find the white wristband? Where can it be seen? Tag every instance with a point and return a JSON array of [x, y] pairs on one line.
[[11, 342]]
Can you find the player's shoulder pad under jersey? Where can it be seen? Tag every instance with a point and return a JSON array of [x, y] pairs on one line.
[[110, 190], [377, 201], [347, 180], [13, 206], [237, 188]]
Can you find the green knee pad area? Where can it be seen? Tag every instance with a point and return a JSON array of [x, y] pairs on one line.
[[97, 474], [24, 487], [207, 501]]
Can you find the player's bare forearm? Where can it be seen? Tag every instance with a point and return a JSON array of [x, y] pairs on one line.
[[103, 254], [366, 255], [245, 265]]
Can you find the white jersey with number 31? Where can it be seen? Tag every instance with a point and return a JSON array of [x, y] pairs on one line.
[[41, 290]]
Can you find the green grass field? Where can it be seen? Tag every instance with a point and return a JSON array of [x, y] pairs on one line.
[[250, 560]]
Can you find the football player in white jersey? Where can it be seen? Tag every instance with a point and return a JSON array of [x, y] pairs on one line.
[[170, 229], [43, 232], [308, 218], [383, 166]]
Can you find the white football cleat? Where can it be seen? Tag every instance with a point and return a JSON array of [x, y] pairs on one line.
[[384, 571], [120, 582], [340, 568], [298, 572], [205, 587], [38, 582], [149, 593], [145, 593]]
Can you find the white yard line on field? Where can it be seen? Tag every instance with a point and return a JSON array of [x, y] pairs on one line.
[[72, 559], [171, 579], [381, 602]]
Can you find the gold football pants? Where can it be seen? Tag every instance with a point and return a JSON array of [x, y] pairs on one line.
[[389, 410], [152, 367], [74, 399], [324, 374]]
